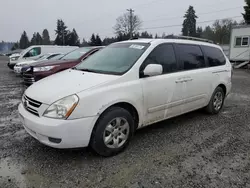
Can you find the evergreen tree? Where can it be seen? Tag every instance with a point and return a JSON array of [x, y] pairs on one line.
[[208, 33], [108, 41], [199, 32], [122, 37], [15, 46], [189, 23], [62, 33], [145, 34], [73, 39], [33, 39], [246, 15], [156, 36], [46, 37], [92, 40], [170, 36], [39, 39], [84, 43], [98, 41], [24, 41]]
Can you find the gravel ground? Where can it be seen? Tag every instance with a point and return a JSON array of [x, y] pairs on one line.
[[194, 150]]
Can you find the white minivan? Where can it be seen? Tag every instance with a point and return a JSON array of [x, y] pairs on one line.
[[128, 85], [34, 52]]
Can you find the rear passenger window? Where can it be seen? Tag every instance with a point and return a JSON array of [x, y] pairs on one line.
[[163, 55], [215, 56], [191, 57]]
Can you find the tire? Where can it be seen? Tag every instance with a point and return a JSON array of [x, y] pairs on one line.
[[211, 107], [107, 128]]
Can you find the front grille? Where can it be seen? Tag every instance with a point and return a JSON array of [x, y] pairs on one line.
[[31, 105], [33, 102], [28, 78]]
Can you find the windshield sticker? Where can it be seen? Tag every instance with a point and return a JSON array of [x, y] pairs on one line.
[[135, 46]]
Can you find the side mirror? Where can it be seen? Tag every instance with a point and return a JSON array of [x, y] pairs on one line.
[[153, 70]]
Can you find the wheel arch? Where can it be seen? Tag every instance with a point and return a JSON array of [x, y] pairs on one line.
[[127, 106], [223, 86]]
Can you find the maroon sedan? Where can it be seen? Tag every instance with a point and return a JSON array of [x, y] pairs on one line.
[[44, 69]]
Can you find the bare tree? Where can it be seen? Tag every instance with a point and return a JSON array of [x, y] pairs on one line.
[[222, 30], [127, 24]]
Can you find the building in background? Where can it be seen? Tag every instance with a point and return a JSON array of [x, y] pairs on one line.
[[239, 44]]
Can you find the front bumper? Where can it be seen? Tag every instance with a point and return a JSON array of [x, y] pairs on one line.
[[71, 133], [28, 78], [229, 88], [31, 77], [11, 65]]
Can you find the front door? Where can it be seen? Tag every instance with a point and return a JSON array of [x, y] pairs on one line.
[[163, 94]]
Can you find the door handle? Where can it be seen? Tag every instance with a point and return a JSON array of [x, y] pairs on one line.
[[185, 79], [188, 80], [181, 80]]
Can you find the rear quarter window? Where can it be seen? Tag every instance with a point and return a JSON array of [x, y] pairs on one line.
[[215, 57]]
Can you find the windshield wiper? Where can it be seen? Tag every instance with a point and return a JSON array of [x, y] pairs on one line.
[[88, 70]]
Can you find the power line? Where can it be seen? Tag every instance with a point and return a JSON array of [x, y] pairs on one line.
[[177, 25], [150, 2], [204, 13], [167, 26]]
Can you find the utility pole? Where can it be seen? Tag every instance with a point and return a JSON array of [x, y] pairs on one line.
[[130, 22], [63, 39]]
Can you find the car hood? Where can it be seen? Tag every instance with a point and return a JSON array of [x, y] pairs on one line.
[[26, 62], [68, 82], [52, 62]]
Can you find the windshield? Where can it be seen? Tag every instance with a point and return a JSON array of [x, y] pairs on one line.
[[41, 57], [76, 54], [24, 51], [57, 57], [115, 59]]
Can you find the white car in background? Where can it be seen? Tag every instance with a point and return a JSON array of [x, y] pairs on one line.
[[34, 52], [18, 67], [14, 57]]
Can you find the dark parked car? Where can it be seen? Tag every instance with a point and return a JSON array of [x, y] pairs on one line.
[[40, 71]]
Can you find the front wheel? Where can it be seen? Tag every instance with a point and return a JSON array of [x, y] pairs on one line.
[[216, 102], [112, 132]]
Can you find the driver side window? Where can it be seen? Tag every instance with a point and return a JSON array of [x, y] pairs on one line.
[[164, 55], [33, 52]]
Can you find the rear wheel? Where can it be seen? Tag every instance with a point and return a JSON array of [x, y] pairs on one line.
[[112, 132], [217, 101]]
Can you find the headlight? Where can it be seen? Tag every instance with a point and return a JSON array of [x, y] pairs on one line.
[[62, 108], [41, 69], [14, 58]]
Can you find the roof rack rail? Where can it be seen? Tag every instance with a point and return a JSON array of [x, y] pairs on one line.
[[193, 38]]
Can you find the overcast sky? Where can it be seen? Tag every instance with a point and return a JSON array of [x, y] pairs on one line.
[[99, 16]]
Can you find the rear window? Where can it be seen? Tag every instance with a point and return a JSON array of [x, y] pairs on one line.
[[215, 56]]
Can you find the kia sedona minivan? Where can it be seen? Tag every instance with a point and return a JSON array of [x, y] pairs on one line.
[[126, 86]]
